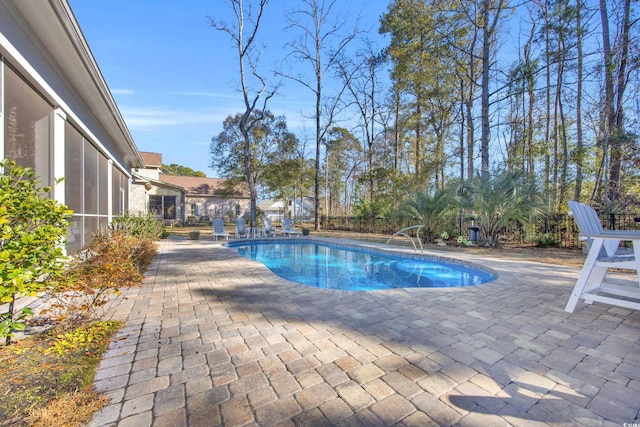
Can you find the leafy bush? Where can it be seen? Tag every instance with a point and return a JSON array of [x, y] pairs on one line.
[[32, 231], [546, 240], [112, 261], [146, 226], [115, 258], [140, 247], [83, 337]]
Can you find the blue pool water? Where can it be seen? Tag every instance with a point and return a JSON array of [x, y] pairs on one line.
[[350, 268]]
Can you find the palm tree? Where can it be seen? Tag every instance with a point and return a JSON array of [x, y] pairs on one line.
[[427, 209], [499, 199]]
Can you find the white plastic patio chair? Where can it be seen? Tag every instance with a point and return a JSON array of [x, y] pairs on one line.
[[287, 228], [268, 230], [241, 228], [218, 230]]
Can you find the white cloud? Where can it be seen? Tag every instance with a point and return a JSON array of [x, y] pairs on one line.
[[154, 118], [204, 94], [123, 91]]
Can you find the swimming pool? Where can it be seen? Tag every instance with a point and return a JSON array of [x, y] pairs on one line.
[[343, 267]]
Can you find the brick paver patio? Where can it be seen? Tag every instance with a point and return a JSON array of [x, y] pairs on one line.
[[215, 339]]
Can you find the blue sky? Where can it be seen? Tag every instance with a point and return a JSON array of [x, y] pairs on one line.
[[175, 77]]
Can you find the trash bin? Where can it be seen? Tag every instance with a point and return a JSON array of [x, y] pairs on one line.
[[473, 233]]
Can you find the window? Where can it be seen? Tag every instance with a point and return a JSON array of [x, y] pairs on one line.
[[237, 209], [193, 209], [155, 206], [169, 207], [163, 207]]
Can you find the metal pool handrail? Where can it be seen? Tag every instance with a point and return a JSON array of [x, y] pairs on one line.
[[402, 233]]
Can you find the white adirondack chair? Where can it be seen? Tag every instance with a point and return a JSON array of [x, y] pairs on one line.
[[241, 228], [268, 229], [287, 228], [605, 253]]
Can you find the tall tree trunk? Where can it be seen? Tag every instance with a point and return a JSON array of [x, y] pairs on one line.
[[469, 105], [485, 128], [396, 131], [547, 131], [462, 118], [487, 37], [609, 116], [563, 128], [471, 135], [418, 133], [616, 122], [318, 92], [579, 141]]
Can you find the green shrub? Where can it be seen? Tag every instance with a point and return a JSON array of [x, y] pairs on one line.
[[546, 240], [32, 232], [82, 338], [139, 225]]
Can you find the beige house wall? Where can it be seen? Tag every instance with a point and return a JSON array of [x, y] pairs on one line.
[[214, 207]]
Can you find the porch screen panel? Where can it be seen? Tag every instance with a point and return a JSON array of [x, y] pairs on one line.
[[74, 193], [90, 226], [27, 126], [125, 193], [75, 234], [119, 191], [103, 185], [90, 179]]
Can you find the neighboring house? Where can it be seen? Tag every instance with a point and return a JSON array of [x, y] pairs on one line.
[[184, 199], [301, 208], [59, 116], [272, 209], [298, 209]]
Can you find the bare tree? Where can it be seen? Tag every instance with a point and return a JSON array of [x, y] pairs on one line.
[[244, 38], [490, 15], [361, 77], [323, 37]]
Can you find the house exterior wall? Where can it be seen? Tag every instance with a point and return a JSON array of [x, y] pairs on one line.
[[138, 199], [215, 207], [58, 115]]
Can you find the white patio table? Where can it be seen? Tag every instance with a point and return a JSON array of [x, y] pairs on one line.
[[593, 283]]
